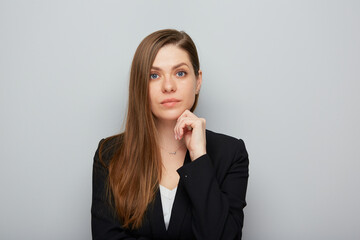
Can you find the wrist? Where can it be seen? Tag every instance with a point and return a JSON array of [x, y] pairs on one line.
[[195, 155]]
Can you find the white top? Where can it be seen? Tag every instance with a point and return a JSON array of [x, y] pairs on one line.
[[167, 201]]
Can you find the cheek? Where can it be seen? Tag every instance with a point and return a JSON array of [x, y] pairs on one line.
[[151, 99], [151, 92], [191, 91]]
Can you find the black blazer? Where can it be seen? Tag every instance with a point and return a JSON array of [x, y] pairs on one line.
[[208, 204]]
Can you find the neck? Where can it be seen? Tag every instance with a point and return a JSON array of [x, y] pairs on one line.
[[166, 135]]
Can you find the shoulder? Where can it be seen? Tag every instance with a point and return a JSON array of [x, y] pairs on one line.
[[224, 142], [107, 148], [223, 148]]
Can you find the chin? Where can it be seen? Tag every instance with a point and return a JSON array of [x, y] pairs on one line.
[[172, 115], [168, 117]]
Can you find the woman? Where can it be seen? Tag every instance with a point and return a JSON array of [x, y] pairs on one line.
[[166, 176]]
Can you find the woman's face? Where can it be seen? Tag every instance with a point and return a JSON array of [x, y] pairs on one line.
[[172, 84]]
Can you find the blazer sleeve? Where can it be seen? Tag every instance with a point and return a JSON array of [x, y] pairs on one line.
[[104, 224], [217, 207]]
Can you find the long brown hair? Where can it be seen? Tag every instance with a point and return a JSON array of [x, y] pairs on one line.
[[135, 170]]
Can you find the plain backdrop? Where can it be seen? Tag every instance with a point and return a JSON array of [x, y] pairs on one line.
[[282, 75]]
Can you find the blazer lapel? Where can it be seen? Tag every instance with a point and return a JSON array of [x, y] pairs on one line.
[[156, 218], [180, 207]]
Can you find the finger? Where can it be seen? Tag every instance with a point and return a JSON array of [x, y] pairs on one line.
[[187, 113], [178, 129], [186, 125], [189, 124]]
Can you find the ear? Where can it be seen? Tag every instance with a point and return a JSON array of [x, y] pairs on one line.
[[198, 82]]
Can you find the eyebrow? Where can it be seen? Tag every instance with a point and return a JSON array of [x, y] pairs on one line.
[[174, 67]]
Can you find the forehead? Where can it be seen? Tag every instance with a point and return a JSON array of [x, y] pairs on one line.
[[171, 55]]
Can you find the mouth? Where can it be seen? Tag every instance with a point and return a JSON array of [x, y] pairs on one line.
[[170, 102]]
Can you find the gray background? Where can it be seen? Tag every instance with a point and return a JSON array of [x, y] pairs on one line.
[[282, 75]]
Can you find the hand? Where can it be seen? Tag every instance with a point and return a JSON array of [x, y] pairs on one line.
[[192, 129]]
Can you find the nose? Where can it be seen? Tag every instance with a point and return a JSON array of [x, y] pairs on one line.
[[168, 84]]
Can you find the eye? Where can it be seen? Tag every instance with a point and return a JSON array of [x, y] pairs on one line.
[[154, 76], [181, 74]]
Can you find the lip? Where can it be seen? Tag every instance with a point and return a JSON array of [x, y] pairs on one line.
[[170, 102]]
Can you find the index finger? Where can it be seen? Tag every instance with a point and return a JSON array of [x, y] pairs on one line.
[[187, 113]]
